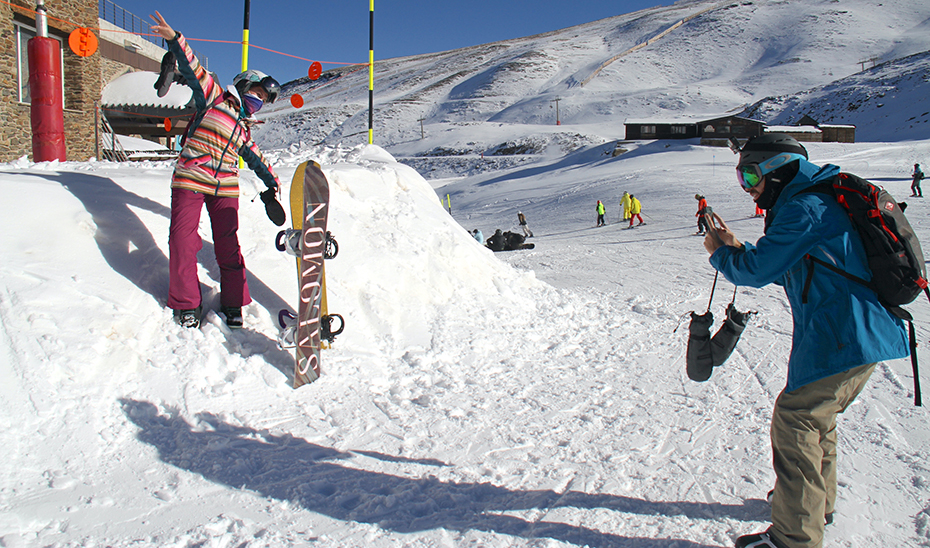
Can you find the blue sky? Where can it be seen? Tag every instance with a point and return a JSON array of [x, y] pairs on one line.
[[337, 30]]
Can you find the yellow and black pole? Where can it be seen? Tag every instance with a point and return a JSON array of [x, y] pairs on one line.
[[245, 36], [245, 48], [371, 72]]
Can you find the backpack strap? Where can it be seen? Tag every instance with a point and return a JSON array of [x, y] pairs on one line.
[[897, 311], [912, 336]]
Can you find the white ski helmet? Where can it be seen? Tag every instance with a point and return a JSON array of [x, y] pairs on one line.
[[244, 81]]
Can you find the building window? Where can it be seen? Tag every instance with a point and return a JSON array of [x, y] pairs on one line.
[[23, 34], [679, 130], [649, 130]]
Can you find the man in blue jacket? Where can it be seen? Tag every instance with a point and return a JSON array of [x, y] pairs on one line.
[[840, 329]]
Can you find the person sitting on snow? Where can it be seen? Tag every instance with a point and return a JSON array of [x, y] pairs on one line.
[[496, 241]]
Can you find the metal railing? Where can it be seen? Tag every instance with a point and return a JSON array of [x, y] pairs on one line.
[[112, 148], [110, 12]]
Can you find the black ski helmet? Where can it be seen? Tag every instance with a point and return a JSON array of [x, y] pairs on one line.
[[759, 149]]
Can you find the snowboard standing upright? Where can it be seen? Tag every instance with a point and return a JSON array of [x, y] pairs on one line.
[[309, 210]]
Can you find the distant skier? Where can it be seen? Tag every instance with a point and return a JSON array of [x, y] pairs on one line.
[[478, 235], [635, 208], [625, 206], [702, 209], [526, 230], [759, 212], [600, 214], [915, 185]]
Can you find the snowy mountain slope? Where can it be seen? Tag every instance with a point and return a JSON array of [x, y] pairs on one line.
[[724, 55], [862, 100]]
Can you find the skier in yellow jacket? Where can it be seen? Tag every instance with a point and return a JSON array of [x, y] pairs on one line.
[[600, 214], [635, 209], [625, 206]]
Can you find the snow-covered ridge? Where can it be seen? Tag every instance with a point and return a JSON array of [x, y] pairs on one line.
[[890, 102], [724, 56]]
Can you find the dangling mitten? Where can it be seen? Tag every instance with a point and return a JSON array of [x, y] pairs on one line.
[[700, 357], [727, 336]]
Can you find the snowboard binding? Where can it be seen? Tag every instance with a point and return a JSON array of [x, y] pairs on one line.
[[288, 240], [326, 327], [288, 322], [287, 337], [331, 249]]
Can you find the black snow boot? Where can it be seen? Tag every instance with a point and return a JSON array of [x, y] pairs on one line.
[[233, 316], [188, 317], [757, 540]]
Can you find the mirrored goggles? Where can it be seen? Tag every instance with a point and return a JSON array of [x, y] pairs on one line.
[[750, 175], [272, 87]]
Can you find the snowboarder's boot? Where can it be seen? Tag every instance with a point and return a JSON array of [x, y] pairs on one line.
[[233, 316], [757, 540], [188, 317]]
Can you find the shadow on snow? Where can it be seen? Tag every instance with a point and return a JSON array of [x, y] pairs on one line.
[[129, 248], [312, 476]]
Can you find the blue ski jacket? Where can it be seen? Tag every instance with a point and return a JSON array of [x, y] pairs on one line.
[[842, 325]]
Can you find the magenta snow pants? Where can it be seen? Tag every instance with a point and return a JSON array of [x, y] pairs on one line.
[[184, 242]]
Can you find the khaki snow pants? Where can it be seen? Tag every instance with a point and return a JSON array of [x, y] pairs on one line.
[[804, 455]]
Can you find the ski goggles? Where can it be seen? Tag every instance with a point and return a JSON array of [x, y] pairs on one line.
[[271, 87], [750, 175], [267, 83]]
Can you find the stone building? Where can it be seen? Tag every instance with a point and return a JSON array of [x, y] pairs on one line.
[[119, 51], [81, 76]]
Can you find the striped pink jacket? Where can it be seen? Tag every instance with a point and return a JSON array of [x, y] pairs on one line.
[[209, 161]]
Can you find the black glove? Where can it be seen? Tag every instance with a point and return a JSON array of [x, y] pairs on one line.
[[699, 357], [724, 342], [273, 208]]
